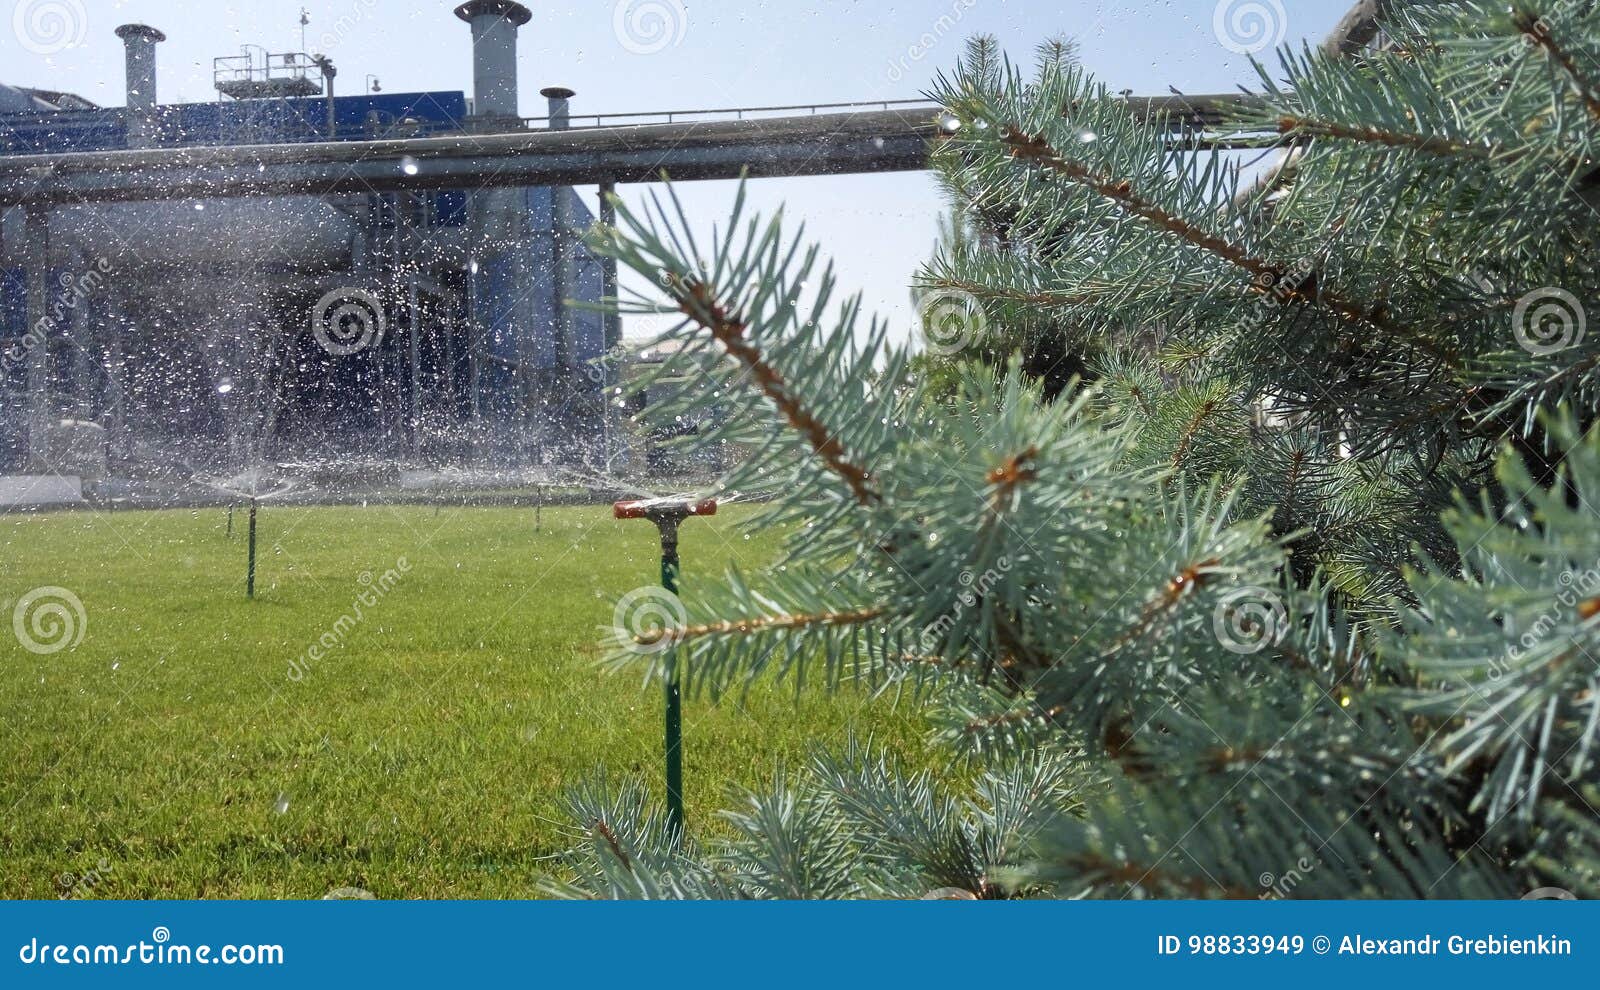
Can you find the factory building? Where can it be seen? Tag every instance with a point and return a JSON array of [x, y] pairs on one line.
[[423, 328]]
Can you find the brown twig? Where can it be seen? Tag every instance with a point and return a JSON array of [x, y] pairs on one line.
[[1009, 718], [798, 621], [697, 302], [616, 847], [1537, 30], [1035, 148], [1289, 124]]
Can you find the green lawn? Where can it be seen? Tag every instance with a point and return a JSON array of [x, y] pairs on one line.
[[170, 754]]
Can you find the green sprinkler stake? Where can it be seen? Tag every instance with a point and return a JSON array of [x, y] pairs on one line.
[[667, 513]]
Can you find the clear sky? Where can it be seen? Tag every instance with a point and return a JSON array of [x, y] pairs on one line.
[[684, 54]]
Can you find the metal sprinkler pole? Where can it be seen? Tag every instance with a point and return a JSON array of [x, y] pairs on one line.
[[250, 569], [667, 514], [230, 520]]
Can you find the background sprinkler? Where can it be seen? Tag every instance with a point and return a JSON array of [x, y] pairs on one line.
[[250, 568], [667, 513]]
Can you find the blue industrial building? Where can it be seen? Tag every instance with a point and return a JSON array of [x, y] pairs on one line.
[[426, 327]]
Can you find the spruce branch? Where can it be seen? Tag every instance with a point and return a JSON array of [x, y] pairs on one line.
[[697, 300], [1035, 148]]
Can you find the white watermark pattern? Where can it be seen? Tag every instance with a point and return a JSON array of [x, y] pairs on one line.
[[1549, 894], [348, 321], [1249, 27], [952, 320], [1276, 887], [345, 24], [48, 620], [646, 618], [1577, 587], [73, 291], [945, 25], [1249, 619], [974, 587], [49, 27], [1548, 320], [374, 588], [646, 27], [77, 885]]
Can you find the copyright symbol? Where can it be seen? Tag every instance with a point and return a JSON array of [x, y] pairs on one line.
[[1320, 945]]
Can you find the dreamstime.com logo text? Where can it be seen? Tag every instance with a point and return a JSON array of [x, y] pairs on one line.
[[973, 589], [1576, 598], [345, 24], [373, 590], [159, 951], [945, 25], [74, 291], [1276, 887]]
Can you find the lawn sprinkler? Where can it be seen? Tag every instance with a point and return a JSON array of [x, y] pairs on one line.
[[667, 513]]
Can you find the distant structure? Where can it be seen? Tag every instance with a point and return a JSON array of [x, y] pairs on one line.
[[420, 327]]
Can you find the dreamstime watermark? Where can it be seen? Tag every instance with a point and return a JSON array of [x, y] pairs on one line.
[[974, 587], [1249, 27], [373, 590], [348, 321], [1549, 894], [346, 23], [49, 27], [48, 620], [73, 290], [648, 618], [645, 27], [952, 320], [74, 885], [930, 39], [1275, 887], [608, 366], [159, 951], [1277, 289], [1548, 320], [1579, 595], [1249, 619]]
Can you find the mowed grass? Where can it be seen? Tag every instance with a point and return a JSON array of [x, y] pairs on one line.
[[170, 753]]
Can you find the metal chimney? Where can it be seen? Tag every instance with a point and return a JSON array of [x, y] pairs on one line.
[[139, 42], [560, 112], [494, 54]]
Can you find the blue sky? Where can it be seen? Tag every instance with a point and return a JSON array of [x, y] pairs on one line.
[[697, 53]]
